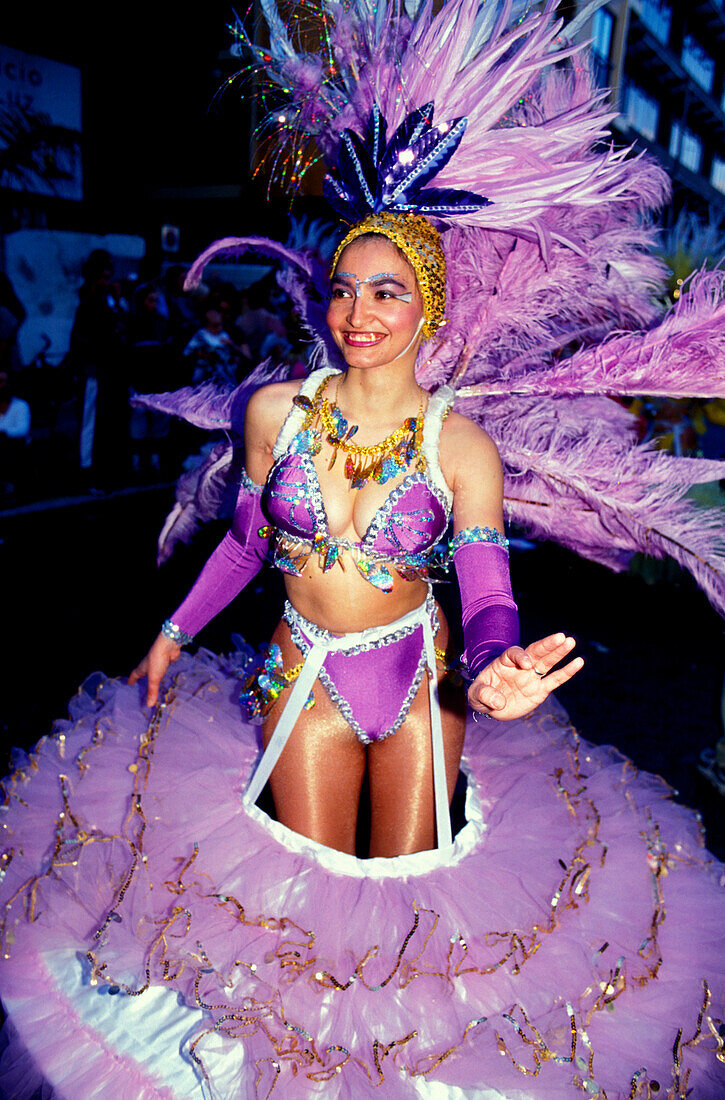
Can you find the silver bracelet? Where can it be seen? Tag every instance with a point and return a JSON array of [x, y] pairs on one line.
[[175, 634]]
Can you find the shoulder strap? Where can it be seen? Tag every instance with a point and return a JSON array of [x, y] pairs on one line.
[[438, 405], [295, 417]]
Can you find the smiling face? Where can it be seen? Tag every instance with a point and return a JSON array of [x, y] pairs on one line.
[[375, 313]]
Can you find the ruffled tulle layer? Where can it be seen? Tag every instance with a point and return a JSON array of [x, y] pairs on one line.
[[161, 939]]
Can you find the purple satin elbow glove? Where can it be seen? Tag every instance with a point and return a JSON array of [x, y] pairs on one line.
[[235, 562], [490, 616]]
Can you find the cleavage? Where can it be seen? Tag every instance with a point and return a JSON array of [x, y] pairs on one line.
[[350, 512]]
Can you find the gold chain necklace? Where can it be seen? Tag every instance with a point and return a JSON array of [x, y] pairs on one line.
[[378, 462]]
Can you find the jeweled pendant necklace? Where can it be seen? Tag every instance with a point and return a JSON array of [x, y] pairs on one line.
[[379, 462]]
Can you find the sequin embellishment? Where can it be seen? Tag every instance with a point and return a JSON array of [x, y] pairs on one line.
[[407, 542], [264, 687], [478, 534]]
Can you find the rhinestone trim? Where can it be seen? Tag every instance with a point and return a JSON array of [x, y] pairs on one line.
[[315, 497], [382, 517], [175, 634], [250, 486], [478, 534]]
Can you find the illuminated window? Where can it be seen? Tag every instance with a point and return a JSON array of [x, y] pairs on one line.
[[717, 176], [641, 111], [657, 16], [685, 147], [698, 62], [602, 27]]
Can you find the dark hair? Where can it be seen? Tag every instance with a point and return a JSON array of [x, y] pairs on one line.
[[97, 262]]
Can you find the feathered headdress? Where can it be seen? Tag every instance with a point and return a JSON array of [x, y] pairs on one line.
[[373, 174], [554, 294]]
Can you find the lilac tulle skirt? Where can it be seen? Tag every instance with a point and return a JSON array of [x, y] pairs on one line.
[[162, 940]]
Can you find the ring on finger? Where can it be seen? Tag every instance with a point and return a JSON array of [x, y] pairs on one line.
[[539, 674]]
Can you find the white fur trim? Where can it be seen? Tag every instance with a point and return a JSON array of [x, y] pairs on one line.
[[382, 867], [438, 405], [296, 415]]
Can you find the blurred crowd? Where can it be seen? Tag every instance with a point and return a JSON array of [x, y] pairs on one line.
[[70, 427]]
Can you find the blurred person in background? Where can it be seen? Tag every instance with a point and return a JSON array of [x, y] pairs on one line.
[[182, 312], [12, 315], [98, 342], [215, 356], [150, 359], [255, 321]]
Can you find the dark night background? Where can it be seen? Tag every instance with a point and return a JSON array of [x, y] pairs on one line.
[[80, 589], [157, 135]]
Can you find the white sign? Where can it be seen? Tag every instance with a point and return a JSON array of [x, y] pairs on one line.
[[38, 85], [45, 267]]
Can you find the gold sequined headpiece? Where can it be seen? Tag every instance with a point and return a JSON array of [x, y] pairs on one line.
[[420, 243]]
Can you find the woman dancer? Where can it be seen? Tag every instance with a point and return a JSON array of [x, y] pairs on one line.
[[376, 316], [173, 938]]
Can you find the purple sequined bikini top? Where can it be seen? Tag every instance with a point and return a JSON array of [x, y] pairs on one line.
[[403, 532]]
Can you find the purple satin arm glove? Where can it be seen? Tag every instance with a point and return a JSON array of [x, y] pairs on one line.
[[235, 562], [490, 617]]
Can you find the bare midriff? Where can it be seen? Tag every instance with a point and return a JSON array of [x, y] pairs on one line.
[[343, 602]]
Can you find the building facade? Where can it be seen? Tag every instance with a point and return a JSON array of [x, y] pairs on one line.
[[665, 63]]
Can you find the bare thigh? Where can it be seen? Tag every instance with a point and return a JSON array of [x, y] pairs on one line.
[[400, 769], [317, 780]]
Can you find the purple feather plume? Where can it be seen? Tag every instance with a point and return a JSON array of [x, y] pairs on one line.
[[205, 406], [536, 121], [683, 356], [573, 473], [233, 247], [200, 494], [208, 406]]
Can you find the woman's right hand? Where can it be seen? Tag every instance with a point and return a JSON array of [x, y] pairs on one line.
[[155, 665]]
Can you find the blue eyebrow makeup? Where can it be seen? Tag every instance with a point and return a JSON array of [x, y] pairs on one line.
[[381, 277]]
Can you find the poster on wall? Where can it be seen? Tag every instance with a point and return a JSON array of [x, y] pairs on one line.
[[45, 267], [41, 97]]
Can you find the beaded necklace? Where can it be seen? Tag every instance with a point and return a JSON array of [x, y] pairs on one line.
[[378, 462]]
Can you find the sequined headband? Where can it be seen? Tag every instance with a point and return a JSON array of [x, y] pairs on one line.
[[420, 243]]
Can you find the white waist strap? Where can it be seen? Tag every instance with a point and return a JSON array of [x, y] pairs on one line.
[[361, 639], [292, 710]]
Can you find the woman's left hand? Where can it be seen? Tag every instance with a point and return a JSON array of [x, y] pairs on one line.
[[519, 680]]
